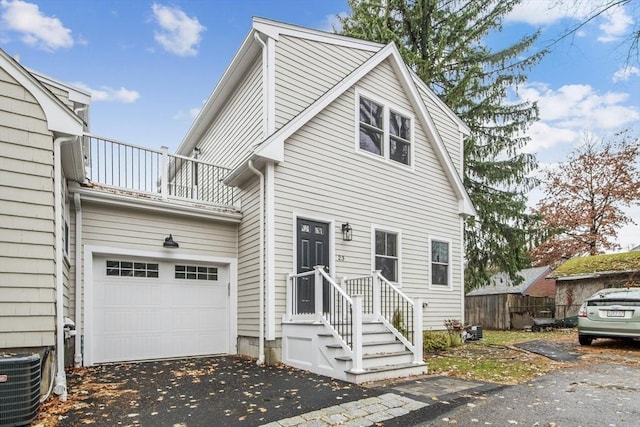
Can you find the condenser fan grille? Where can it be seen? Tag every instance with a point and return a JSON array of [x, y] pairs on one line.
[[19, 389]]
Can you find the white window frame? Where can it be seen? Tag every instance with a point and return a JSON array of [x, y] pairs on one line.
[[387, 107], [449, 285], [398, 233]]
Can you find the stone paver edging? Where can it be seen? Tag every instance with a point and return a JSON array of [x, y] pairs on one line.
[[364, 412]]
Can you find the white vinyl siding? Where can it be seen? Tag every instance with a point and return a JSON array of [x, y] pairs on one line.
[[249, 261], [27, 244], [306, 69], [238, 127], [447, 128], [323, 176]]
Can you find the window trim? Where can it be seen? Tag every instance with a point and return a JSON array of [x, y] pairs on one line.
[[387, 108], [449, 285], [398, 233]]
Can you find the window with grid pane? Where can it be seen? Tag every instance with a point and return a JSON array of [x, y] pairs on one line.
[[387, 254], [439, 263], [383, 131]]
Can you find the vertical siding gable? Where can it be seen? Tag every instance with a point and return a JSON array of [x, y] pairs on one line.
[[238, 127], [324, 175], [306, 69]]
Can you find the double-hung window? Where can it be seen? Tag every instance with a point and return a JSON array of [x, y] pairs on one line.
[[386, 254], [440, 263], [384, 131]]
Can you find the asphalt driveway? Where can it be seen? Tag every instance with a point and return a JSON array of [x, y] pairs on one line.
[[200, 391], [234, 391]]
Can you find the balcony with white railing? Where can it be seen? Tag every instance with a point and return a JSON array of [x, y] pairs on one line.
[[136, 170]]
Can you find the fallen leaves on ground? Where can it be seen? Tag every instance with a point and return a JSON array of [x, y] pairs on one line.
[[506, 364]]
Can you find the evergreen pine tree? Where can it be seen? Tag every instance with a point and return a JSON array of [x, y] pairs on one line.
[[443, 42]]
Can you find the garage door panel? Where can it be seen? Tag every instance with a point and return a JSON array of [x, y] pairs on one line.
[[138, 318]]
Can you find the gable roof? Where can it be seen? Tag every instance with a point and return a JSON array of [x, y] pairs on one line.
[[60, 118], [273, 147], [500, 283], [598, 265], [243, 59]]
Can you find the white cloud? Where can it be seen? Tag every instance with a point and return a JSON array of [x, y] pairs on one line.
[[189, 115], [624, 73], [38, 30], [105, 93], [179, 34], [566, 112], [616, 24], [536, 12], [332, 23]]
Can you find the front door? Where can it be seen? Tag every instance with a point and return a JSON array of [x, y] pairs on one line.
[[313, 249]]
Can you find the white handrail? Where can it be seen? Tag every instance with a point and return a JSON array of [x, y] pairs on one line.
[[394, 287], [335, 285]]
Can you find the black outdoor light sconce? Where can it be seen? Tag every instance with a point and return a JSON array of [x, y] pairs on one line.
[[347, 232], [170, 243]]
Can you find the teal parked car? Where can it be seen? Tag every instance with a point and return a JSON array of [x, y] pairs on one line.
[[610, 313]]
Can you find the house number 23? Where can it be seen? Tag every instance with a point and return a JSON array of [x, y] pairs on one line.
[[340, 257]]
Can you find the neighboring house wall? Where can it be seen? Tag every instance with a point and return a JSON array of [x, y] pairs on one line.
[[238, 127], [27, 267], [306, 69], [324, 177], [573, 293]]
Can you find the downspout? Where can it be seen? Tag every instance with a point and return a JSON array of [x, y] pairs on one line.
[[77, 357], [268, 128], [261, 287], [60, 387]]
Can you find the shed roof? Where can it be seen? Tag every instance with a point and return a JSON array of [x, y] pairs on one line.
[[598, 265], [500, 283]]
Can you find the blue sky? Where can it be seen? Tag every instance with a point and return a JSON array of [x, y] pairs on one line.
[[150, 65]]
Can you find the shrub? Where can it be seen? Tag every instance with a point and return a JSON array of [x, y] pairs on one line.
[[435, 342]]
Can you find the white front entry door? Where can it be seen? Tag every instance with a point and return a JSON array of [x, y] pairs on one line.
[[154, 309]]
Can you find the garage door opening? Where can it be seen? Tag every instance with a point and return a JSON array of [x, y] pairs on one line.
[[155, 309]]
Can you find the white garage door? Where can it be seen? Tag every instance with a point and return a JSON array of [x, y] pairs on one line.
[[153, 309]]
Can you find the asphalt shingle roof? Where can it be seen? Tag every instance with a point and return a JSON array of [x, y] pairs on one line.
[[500, 283]]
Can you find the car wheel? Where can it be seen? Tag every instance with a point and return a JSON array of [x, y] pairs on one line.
[[584, 340]]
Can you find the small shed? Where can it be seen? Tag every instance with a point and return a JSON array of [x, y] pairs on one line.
[[501, 304], [580, 277]]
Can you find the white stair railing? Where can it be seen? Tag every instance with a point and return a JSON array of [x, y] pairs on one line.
[[341, 313]]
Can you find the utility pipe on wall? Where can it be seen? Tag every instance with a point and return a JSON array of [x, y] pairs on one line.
[[261, 286], [77, 357], [60, 387]]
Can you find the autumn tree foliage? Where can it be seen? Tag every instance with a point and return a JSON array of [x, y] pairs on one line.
[[584, 198]]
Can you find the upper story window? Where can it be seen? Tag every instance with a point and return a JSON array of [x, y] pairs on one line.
[[384, 131], [440, 263]]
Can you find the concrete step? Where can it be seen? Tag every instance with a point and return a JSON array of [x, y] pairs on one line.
[[391, 346], [387, 372], [382, 359]]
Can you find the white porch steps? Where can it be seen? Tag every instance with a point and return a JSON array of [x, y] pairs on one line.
[[384, 357]]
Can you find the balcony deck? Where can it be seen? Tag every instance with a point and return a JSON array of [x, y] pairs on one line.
[[135, 171]]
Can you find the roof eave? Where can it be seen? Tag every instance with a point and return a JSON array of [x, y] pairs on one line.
[[216, 101]]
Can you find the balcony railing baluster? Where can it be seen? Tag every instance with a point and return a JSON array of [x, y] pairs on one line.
[[140, 169]]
